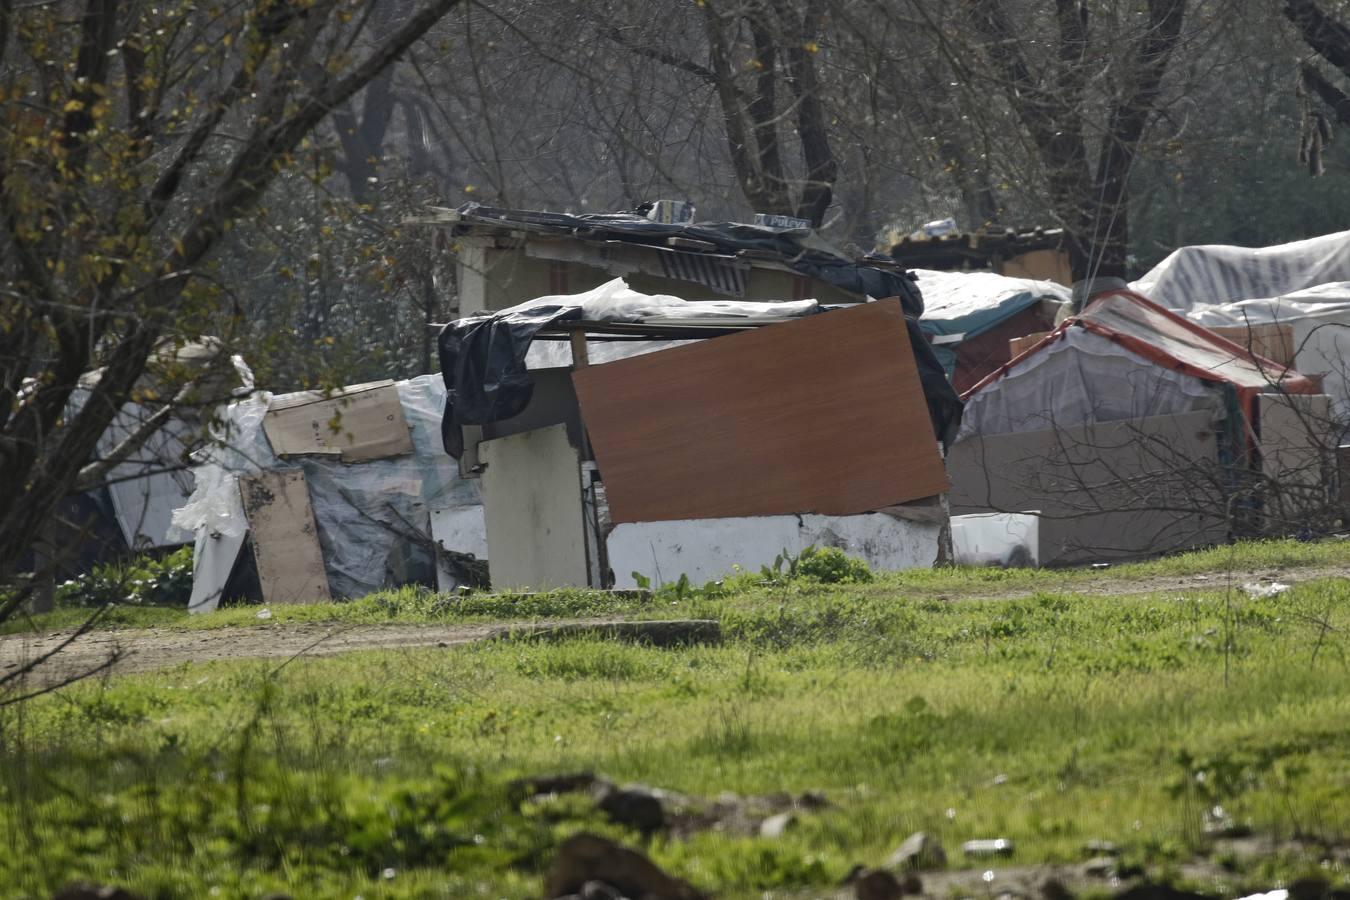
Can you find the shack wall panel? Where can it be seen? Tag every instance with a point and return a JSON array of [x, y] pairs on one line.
[[708, 549], [1297, 458], [284, 536], [1115, 490], [824, 415], [532, 509]]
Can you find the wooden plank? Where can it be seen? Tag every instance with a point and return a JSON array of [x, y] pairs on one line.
[[361, 422], [1019, 345], [580, 358], [824, 414], [284, 536], [1273, 340]]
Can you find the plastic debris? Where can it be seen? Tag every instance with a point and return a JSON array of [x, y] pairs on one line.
[[1259, 591], [994, 847]]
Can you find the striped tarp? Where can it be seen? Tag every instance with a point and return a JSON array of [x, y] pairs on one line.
[[1213, 274]]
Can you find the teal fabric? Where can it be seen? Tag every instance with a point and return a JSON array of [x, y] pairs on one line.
[[973, 324]]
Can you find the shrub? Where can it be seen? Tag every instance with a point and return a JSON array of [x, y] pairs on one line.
[[140, 581], [830, 565]]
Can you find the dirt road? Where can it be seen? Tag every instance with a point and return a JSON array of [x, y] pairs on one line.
[[148, 649]]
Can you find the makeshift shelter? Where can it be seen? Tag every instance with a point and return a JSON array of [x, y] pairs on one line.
[[1308, 330], [510, 256], [144, 489], [1033, 253], [329, 494], [971, 318], [1288, 302], [1103, 425], [674, 437]]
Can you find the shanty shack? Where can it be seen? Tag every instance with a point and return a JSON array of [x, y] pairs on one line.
[[316, 495], [1038, 254], [974, 319], [659, 437], [506, 257], [1133, 431], [1289, 303]]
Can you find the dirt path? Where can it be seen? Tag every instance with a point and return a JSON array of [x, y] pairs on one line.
[[1156, 584], [145, 650]]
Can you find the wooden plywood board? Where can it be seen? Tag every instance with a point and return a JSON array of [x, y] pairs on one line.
[[1044, 265], [1273, 340], [285, 538], [1019, 345], [1296, 457], [532, 510], [824, 414], [361, 422]]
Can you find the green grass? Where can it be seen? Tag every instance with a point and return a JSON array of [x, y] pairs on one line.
[[1052, 720], [420, 606]]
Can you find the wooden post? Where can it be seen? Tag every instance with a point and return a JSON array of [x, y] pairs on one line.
[[44, 569], [580, 358]]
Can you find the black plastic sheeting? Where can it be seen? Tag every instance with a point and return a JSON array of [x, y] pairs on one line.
[[483, 364], [728, 237]]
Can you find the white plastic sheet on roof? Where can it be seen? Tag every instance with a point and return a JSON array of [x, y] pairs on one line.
[[1079, 379], [1316, 300], [615, 301], [954, 295], [1319, 321], [1216, 274]]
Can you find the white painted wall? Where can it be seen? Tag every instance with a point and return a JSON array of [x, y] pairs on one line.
[[709, 549], [532, 511]]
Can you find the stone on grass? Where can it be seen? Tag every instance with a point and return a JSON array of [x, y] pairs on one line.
[[920, 851], [813, 800], [988, 847], [1310, 888], [1100, 848], [585, 858], [1100, 867], [633, 807], [562, 783], [876, 884], [1054, 889], [777, 826]]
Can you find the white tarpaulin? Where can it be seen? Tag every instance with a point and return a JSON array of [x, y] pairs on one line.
[[362, 510], [955, 295], [149, 485], [1319, 324], [1081, 378], [615, 301], [1217, 274]]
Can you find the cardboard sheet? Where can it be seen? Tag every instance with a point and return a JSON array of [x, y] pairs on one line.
[[361, 422], [285, 538], [824, 414]]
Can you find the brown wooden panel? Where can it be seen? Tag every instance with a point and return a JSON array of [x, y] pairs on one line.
[[824, 414], [285, 538]]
